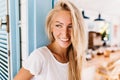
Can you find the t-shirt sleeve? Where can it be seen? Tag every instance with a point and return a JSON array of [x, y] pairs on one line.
[[34, 62]]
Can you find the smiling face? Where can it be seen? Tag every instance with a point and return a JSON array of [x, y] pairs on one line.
[[61, 28]]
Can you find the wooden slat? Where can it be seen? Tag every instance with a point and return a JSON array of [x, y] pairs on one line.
[[4, 68], [3, 78], [3, 37], [3, 8], [3, 45], [3, 32], [3, 41], [4, 63], [3, 50], [4, 56], [4, 74]]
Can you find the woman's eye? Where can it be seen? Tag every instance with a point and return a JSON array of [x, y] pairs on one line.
[[70, 26], [58, 26]]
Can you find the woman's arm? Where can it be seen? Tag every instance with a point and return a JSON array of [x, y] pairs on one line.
[[23, 74]]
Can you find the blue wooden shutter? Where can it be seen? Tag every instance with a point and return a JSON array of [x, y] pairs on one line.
[[4, 42]]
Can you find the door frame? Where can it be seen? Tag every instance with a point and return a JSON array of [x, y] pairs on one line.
[[14, 37]]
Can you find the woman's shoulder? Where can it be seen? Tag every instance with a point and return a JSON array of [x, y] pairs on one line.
[[35, 62], [43, 49], [42, 52]]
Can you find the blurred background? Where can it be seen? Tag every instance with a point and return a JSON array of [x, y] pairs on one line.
[[22, 25]]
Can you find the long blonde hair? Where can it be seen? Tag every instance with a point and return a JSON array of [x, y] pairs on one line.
[[78, 37]]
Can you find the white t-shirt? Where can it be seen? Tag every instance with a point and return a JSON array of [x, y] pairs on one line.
[[44, 66]]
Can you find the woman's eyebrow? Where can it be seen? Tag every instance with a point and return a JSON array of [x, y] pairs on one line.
[[59, 22], [70, 24], [62, 23]]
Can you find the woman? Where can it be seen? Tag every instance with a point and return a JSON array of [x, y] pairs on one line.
[[62, 58]]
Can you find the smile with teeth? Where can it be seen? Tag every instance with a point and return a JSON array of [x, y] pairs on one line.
[[64, 39]]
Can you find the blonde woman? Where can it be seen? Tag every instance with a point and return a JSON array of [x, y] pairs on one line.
[[62, 58]]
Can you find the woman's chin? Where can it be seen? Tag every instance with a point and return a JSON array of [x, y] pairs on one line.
[[65, 45]]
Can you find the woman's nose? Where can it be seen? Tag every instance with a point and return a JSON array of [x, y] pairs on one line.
[[65, 32]]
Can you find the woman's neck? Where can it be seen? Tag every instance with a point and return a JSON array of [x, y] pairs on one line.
[[58, 52]]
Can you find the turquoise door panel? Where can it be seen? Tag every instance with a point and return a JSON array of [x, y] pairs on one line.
[[37, 12]]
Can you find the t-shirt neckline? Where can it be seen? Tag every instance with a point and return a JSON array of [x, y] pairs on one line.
[[55, 58]]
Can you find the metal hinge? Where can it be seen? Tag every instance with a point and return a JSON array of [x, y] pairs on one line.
[[8, 52], [5, 23]]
